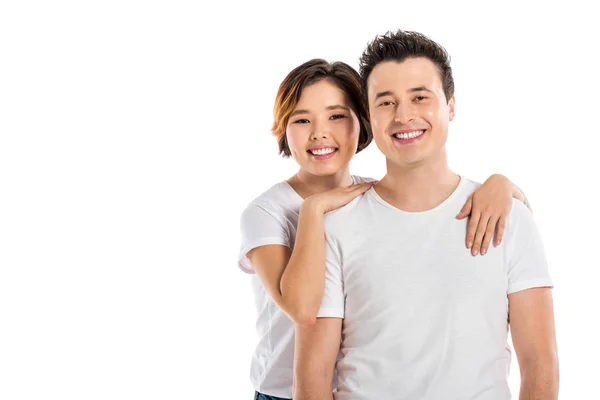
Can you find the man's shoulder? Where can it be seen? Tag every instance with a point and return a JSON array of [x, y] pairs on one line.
[[340, 220], [352, 208], [520, 214], [469, 184], [520, 227]]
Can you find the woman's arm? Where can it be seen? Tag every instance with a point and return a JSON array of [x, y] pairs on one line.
[[488, 208], [295, 280]]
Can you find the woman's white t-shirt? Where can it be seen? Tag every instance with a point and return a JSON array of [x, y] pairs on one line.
[[272, 218]]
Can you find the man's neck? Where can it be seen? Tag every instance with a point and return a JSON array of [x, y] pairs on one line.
[[419, 187]]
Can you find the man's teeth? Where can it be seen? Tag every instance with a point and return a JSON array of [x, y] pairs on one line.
[[409, 135], [322, 152]]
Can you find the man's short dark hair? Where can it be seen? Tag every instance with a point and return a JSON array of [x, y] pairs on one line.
[[401, 45]]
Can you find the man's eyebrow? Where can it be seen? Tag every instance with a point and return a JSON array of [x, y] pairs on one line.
[[382, 94], [419, 89]]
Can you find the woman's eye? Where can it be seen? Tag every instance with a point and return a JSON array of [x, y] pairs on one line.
[[385, 103], [301, 121], [338, 116]]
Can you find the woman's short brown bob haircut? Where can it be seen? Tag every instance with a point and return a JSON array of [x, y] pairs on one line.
[[339, 74]]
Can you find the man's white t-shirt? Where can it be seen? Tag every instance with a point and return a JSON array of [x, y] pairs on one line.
[[272, 218], [423, 318]]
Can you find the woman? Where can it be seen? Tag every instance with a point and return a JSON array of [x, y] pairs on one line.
[[321, 120]]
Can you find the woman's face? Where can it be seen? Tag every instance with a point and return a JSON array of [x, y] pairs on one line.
[[323, 130]]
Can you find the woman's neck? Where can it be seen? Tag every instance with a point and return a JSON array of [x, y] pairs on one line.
[[307, 184]]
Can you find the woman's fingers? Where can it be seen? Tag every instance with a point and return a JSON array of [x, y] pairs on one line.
[[472, 228], [466, 210], [500, 230], [480, 232], [489, 234]]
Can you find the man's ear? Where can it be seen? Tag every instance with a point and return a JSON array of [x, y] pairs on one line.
[[451, 108]]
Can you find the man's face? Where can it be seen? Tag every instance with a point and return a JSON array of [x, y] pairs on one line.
[[409, 111]]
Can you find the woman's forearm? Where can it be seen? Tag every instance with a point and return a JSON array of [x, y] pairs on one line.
[[303, 280]]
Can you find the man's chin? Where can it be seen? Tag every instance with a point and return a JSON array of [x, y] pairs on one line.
[[406, 162]]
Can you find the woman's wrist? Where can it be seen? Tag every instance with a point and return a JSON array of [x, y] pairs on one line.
[[312, 206]]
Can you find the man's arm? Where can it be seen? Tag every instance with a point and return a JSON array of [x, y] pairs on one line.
[[531, 319], [316, 350]]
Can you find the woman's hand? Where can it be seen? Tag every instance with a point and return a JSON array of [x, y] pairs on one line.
[[488, 208], [336, 198]]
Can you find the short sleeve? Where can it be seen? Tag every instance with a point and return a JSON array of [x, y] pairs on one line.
[[333, 297], [527, 265], [259, 227]]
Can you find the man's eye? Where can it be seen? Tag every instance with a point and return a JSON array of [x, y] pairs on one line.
[[386, 103]]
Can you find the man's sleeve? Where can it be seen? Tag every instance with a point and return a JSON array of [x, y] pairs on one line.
[[333, 298], [526, 260]]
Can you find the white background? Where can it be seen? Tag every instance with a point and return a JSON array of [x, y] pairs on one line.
[[134, 133]]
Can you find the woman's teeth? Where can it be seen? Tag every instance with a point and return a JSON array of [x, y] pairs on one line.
[[409, 135], [322, 152]]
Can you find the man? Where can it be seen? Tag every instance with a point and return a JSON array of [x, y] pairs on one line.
[[417, 318]]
